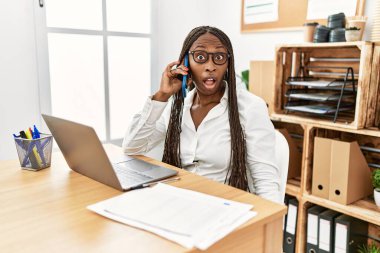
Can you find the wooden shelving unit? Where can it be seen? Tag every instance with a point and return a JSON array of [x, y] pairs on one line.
[[293, 190], [321, 61], [362, 127]]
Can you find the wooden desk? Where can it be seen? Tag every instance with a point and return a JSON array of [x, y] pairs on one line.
[[45, 211]]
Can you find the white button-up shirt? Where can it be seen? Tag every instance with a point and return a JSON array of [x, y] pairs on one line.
[[206, 151]]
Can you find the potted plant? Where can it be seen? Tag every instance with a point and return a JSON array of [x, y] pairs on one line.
[[376, 185], [352, 33], [371, 248]]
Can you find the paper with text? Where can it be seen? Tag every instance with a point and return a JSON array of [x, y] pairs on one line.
[[189, 218]]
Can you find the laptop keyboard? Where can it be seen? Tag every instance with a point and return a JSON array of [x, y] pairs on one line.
[[129, 177]]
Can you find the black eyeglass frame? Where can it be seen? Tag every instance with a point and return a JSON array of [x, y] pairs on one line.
[[212, 56]]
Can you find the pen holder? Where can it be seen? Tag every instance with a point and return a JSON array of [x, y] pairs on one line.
[[34, 154]]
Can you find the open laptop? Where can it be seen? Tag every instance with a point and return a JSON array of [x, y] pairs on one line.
[[85, 154]]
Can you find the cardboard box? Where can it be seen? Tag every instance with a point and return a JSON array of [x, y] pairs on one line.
[[340, 171], [321, 167], [261, 81], [350, 176]]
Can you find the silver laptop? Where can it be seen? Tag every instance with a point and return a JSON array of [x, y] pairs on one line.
[[85, 154]]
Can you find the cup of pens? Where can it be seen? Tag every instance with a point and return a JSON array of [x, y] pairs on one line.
[[34, 149]]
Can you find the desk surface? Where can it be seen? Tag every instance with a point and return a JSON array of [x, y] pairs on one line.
[[45, 211]]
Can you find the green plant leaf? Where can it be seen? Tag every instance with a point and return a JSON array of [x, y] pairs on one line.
[[376, 178], [371, 248], [245, 78]]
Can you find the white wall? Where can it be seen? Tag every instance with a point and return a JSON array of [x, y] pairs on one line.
[[19, 101], [175, 19], [224, 14]]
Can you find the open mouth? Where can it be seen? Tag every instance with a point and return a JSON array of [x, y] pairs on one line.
[[209, 83]]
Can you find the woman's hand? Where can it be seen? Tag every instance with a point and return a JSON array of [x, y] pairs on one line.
[[169, 83]]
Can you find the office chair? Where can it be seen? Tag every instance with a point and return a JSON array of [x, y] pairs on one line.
[[282, 160]]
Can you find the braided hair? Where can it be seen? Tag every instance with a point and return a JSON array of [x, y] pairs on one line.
[[237, 171]]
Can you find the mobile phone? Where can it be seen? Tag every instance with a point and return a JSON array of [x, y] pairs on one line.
[[184, 79]]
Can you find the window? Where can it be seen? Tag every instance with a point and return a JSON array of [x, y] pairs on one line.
[[98, 61]]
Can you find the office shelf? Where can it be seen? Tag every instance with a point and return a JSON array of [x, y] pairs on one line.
[[300, 188], [361, 126]]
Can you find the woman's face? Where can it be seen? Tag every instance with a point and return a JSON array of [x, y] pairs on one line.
[[208, 74]]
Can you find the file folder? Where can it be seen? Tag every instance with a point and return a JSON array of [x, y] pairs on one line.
[[326, 231], [312, 228], [346, 166], [321, 167], [349, 234], [350, 174], [286, 202], [291, 225]]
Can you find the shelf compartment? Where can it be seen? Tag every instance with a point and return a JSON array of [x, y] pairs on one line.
[[370, 147], [321, 63], [364, 209], [294, 134]]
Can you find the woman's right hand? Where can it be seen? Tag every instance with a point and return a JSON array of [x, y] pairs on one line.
[[169, 83]]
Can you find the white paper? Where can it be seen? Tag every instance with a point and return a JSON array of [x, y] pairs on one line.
[[291, 219], [316, 96], [312, 229], [260, 11], [324, 234], [189, 218], [321, 9], [318, 83], [340, 238]]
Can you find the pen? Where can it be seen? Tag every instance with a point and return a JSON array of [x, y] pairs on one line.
[[153, 183], [36, 135]]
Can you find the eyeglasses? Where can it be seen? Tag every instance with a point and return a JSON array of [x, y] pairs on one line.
[[219, 58]]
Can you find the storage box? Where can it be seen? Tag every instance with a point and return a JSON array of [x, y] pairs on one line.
[[34, 154]]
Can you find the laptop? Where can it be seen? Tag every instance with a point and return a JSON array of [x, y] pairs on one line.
[[85, 154]]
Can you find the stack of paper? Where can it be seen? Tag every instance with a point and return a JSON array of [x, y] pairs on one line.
[[191, 219]]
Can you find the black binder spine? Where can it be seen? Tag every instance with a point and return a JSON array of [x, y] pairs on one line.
[[312, 245], [291, 225]]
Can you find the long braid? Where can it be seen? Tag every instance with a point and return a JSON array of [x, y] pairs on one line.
[[172, 148], [237, 172]]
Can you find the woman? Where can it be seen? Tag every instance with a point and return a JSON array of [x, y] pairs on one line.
[[217, 131]]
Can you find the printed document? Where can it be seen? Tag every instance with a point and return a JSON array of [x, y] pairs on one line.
[[189, 218]]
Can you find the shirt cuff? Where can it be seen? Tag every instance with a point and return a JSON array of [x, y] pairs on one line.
[[153, 109]]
